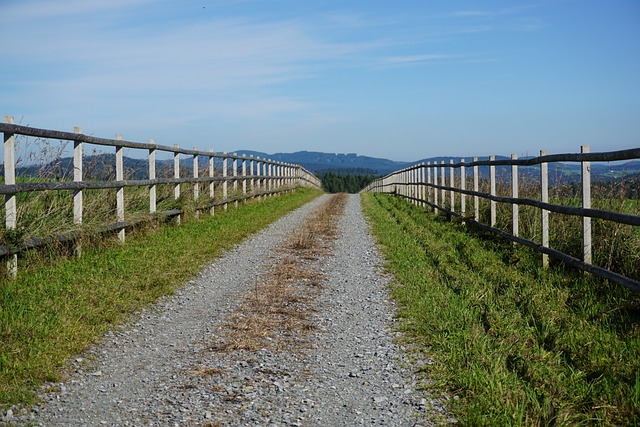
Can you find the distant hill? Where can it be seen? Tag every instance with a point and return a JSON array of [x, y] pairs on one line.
[[102, 166], [322, 162]]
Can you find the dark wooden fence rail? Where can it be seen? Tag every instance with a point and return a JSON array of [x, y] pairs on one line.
[[249, 177], [430, 184]]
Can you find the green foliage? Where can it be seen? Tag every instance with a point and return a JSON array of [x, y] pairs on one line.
[[58, 307], [333, 182], [519, 345]]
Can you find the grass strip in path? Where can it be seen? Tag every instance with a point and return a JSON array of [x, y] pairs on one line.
[[54, 311], [518, 344], [278, 314]]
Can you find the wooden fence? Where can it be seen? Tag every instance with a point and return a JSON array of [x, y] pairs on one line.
[[249, 177], [434, 186]]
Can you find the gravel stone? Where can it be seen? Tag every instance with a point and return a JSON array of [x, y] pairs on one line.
[[160, 370]]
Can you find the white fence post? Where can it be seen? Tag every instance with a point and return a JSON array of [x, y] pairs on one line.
[[196, 185], [435, 190], [417, 179], [443, 182], [152, 175], [409, 179], [514, 194], [279, 176], [176, 174], [225, 184], [212, 188], [259, 181], [429, 189], [416, 185], [492, 191], [244, 178], [544, 198], [586, 204], [235, 180], [120, 189], [463, 187], [77, 194], [423, 179], [452, 184], [269, 174], [476, 188], [252, 182], [11, 213]]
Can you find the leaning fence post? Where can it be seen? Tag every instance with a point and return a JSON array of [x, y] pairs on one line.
[[544, 198], [120, 189], [77, 194], [476, 189], [514, 194], [212, 188], [176, 175], [586, 204], [196, 185], [10, 199], [152, 176], [492, 191]]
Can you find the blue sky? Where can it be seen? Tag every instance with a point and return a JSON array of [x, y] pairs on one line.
[[398, 79]]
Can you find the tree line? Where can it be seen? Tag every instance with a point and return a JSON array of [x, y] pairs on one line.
[[346, 180]]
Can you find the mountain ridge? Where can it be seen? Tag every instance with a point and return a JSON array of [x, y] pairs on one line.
[[319, 162]]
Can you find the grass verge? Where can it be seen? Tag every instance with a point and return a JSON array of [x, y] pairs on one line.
[[518, 344], [56, 310]]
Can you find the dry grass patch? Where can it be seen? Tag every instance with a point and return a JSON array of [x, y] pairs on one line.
[[278, 313], [203, 371]]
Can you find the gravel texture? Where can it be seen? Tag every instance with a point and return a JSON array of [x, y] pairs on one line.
[[161, 371]]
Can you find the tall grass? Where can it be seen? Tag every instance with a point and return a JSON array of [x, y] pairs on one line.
[[47, 213], [58, 307], [519, 345], [614, 246]]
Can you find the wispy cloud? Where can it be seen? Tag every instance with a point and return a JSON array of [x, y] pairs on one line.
[[476, 13], [413, 59], [45, 10]]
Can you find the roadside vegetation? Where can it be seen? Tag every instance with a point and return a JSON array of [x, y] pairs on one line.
[[518, 344], [59, 305]]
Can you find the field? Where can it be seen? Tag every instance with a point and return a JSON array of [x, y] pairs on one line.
[[518, 344]]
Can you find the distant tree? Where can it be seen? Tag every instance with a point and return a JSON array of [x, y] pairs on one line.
[[333, 182]]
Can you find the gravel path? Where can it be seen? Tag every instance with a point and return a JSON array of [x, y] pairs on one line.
[[160, 370]]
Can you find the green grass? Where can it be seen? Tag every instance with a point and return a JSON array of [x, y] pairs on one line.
[[518, 344], [56, 309]]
